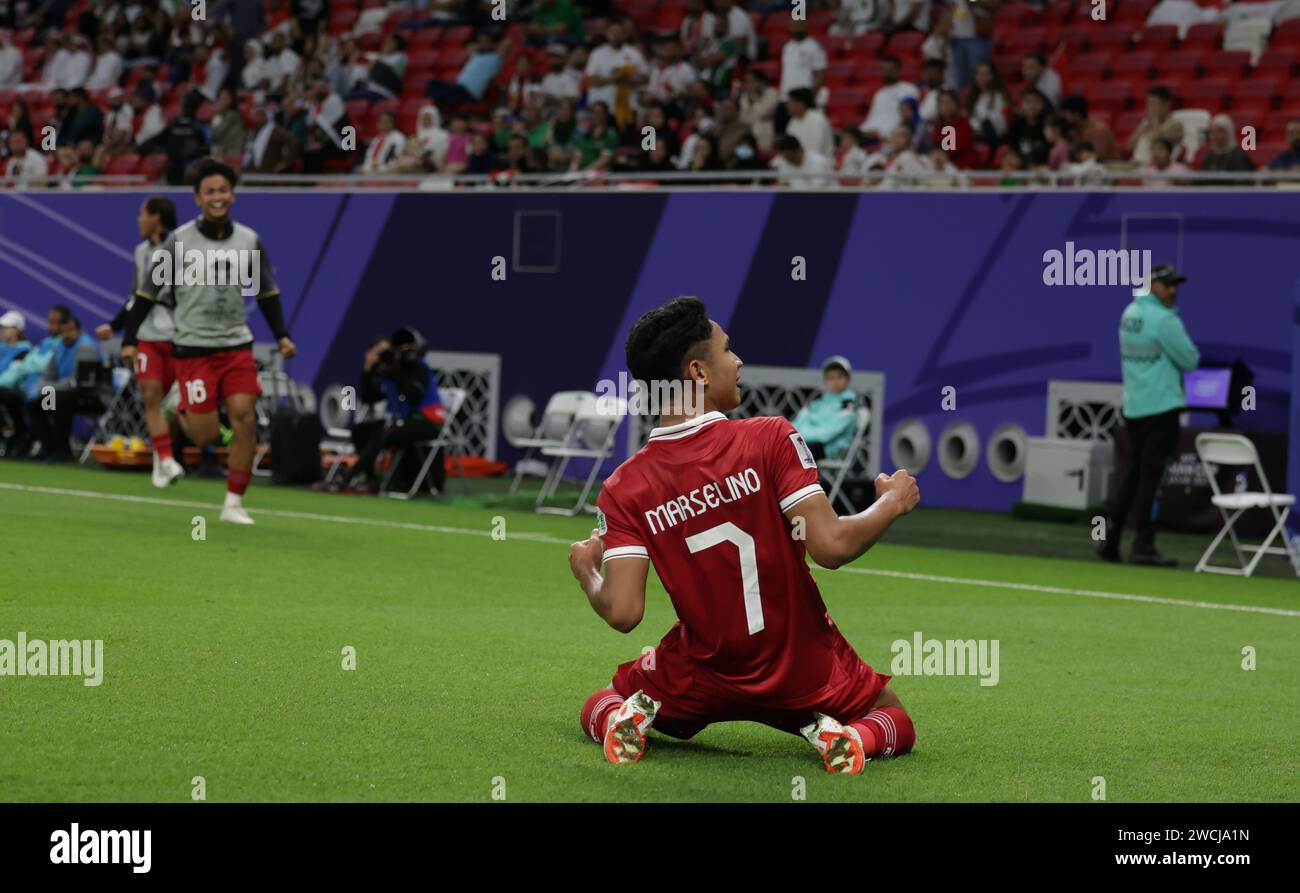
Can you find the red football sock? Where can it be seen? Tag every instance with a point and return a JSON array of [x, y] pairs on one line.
[[237, 480], [162, 445], [886, 732], [595, 713]]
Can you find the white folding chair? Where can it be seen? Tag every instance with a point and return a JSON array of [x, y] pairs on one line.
[[838, 469], [1233, 450], [556, 421], [591, 436], [453, 399]]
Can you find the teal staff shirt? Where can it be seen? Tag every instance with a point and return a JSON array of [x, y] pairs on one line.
[[1154, 353]]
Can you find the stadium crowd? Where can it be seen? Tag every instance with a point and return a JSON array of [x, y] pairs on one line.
[[419, 87]]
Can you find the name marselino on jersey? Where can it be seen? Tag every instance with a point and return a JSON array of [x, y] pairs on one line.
[[701, 499], [208, 266]]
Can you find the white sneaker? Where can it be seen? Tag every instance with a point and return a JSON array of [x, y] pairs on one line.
[[235, 514], [625, 736], [840, 747], [166, 472]]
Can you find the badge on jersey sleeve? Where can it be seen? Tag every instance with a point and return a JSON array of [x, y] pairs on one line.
[[805, 454], [601, 527]]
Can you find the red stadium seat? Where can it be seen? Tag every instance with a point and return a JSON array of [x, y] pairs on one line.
[[1208, 93], [1204, 35], [1092, 65], [1257, 88], [424, 38], [1228, 63], [1025, 40], [357, 109], [1181, 64], [1013, 15], [905, 43], [458, 36], [452, 58], [154, 167], [423, 59], [1251, 111], [1126, 123], [1134, 66], [1114, 36], [1157, 37], [1111, 95], [124, 164]]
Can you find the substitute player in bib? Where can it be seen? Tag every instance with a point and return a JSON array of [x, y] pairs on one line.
[[154, 368], [718, 506], [210, 262]]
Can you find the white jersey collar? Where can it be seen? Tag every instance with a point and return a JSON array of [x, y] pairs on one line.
[[686, 428]]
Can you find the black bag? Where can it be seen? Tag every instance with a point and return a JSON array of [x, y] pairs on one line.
[[295, 447]]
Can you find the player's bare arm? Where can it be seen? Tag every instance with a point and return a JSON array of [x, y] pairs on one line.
[[833, 541], [617, 595]]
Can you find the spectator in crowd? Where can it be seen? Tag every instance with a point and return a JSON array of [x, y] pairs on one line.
[[616, 71], [524, 84], [386, 148], [25, 166], [671, 76], [937, 45], [799, 167], [229, 136], [20, 118], [83, 120], [555, 22], [109, 66], [186, 139], [940, 163], [1033, 68], [803, 64], [855, 160], [1026, 130], [988, 103], [562, 129], [384, 76], [471, 85], [564, 80], [148, 114], [739, 26], [426, 150], [1183, 13], [52, 425], [758, 104], [697, 26], [246, 17], [746, 156], [119, 123], [952, 133], [1084, 167], [1159, 105], [282, 63], [309, 15], [210, 70], [830, 420], [79, 163], [809, 125], [271, 147], [910, 15], [459, 140], [972, 33], [1058, 142], [1222, 153], [898, 155], [1012, 163], [11, 61], [883, 116], [704, 157], [1162, 162], [597, 143], [519, 156], [854, 18], [1080, 126], [13, 348], [68, 61], [716, 63], [482, 158], [1290, 159], [257, 74], [928, 91], [728, 128]]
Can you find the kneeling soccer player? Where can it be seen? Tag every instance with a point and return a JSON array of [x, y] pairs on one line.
[[719, 505]]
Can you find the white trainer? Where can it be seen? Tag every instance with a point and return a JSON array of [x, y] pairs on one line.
[[166, 472], [235, 514]]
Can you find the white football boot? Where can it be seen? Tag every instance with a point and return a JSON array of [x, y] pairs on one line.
[[166, 472], [625, 735], [233, 510], [840, 747]]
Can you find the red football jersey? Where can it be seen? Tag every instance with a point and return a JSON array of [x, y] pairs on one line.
[[704, 501]]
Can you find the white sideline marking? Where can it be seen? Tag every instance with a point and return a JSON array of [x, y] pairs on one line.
[[547, 538]]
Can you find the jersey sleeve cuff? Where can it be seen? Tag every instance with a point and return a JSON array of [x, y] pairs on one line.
[[627, 552], [799, 496]]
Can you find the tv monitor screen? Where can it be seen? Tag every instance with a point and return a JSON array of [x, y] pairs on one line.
[[1207, 388]]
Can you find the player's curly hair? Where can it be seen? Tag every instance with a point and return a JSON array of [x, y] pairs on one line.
[[211, 167], [665, 339]]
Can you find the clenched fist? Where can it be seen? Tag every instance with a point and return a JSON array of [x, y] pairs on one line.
[[901, 487], [585, 556]]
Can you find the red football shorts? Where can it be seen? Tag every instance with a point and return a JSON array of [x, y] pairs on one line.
[[692, 700], [154, 362], [211, 378]]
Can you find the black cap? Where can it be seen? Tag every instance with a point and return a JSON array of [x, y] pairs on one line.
[[1167, 274]]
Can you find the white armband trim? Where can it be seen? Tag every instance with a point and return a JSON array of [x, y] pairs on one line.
[[626, 552], [799, 496]]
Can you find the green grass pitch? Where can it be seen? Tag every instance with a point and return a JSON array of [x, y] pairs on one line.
[[223, 659]]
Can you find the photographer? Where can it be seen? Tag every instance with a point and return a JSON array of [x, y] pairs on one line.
[[395, 372]]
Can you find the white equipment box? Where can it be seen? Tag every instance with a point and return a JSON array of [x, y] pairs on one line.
[[1070, 474]]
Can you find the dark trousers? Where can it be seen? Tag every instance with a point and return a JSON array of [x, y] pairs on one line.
[[416, 429], [448, 94], [1152, 443], [11, 404], [53, 427]]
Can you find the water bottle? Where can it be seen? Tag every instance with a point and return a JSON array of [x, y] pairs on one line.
[[1240, 486]]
